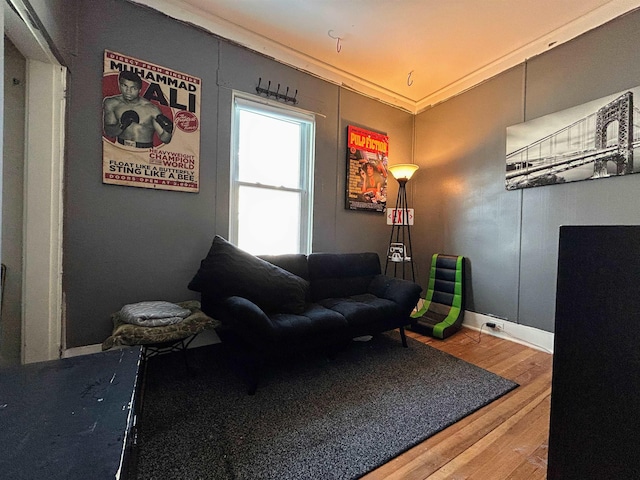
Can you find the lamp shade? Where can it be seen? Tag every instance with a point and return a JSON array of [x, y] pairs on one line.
[[403, 171]]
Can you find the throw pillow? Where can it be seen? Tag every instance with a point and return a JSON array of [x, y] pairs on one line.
[[229, 271]]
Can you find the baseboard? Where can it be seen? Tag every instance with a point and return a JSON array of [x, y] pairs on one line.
[[514, 332], [204, 338], [84, 350], [532, 337]]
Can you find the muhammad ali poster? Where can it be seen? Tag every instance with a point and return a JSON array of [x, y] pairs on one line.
[[151, 125], [367, 156]]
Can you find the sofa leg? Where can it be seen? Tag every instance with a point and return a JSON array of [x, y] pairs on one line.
[[253, 386], [254, 371], [403, 336]]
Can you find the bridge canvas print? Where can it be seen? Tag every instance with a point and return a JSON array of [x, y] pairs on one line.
[[591, 141]]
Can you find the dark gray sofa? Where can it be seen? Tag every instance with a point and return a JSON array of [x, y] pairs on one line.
[[274, 305]]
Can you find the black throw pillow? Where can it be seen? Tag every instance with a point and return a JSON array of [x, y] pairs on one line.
[[229, 271]]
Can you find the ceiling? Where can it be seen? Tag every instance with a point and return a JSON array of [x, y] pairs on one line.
[[410, 53]]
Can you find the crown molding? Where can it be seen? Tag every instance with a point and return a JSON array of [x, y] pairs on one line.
[[181, 11], [587, 22], [282, 53]]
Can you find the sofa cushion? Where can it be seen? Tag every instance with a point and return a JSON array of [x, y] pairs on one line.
[[336, 275], [229, 271], [358, 311], [388, 308], [312, 325]]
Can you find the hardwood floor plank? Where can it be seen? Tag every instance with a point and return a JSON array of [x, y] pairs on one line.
[[481, 445], [507, 439], [535, 468], [515, 364], [510, 450]]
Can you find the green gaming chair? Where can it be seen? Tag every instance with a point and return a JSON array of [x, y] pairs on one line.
[[442, 312]]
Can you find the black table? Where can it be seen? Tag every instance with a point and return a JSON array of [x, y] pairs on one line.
[[69, 419]]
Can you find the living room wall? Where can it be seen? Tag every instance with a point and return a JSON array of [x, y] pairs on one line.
[[125, 244], [511, 237]]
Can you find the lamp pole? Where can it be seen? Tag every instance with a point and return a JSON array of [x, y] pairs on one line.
[[401, 250]]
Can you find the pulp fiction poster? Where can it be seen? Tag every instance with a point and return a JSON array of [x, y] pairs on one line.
[[367, 157]]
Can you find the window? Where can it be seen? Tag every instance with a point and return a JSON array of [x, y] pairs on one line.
[[271, 178]]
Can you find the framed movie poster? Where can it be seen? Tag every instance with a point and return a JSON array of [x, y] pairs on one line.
[[367, 157], [151, 125]]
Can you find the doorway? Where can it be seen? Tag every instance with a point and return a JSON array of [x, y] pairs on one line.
[[41, 306], [12, 204]]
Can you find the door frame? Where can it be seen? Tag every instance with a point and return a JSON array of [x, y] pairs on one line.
[[42, 295]]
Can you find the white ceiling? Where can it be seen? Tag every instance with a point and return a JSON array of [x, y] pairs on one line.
[[410, 53]]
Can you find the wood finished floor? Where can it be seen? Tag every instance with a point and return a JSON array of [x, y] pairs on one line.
[[507, 439]]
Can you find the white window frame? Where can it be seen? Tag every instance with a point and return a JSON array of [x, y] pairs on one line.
[[307, 160]]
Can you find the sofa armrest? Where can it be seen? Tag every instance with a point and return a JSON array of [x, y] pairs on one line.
[[245, 318], [405, 293]]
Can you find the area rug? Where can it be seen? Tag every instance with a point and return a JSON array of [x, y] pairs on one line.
[[317, 418]]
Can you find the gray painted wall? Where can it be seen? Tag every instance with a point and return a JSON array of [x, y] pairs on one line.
[[511, 238], [368, 231], [461, 204], [126, 244]]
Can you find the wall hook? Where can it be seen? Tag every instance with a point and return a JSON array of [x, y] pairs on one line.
[[337, 39], [409, 81], [277, 95]]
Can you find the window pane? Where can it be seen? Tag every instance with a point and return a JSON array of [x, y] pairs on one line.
[[268, 221], [268, 150], [271, 200]]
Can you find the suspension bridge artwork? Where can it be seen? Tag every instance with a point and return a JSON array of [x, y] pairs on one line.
[[594, 140]]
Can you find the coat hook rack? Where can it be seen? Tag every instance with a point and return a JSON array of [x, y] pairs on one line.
[[267, 92]]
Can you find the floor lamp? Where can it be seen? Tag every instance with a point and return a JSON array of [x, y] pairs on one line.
[[400, 241]]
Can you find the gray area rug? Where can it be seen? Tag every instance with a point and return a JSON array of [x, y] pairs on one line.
[[317, 418]]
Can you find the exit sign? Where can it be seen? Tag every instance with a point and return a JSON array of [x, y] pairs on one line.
[[395, 216]]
